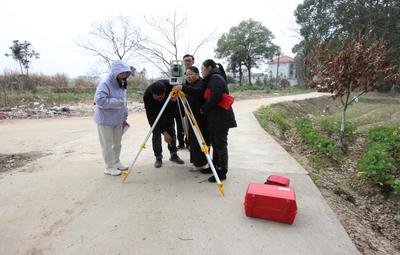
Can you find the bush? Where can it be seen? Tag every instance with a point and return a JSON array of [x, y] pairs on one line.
[[381, 134], [283, 83], [312, 137], [331, 127], [378, 161], [278, 118], [230, 79]]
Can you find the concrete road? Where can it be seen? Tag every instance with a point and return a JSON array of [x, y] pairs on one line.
[[63, 203]]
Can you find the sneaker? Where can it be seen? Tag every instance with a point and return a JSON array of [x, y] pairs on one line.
[[206, 170], [198, 168], [175, 158], [222, 177], [112, 171], [120, 166], [158, 163]]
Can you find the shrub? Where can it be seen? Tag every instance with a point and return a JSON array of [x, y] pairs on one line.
[[331, 127], [230, 79], [312, 137], [381, 134], [276, 117], [378, 161]]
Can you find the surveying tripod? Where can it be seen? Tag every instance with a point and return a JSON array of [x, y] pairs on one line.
[[196, 130]]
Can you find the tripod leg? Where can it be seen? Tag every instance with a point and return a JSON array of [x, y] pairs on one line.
[[143, 145], [200, 139]]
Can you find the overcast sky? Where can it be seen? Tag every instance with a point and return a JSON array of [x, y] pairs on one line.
[[53, 27]]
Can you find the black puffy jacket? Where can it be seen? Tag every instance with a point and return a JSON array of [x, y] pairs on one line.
[[217, 117]]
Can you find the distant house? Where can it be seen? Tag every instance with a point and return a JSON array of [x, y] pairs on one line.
[[286, 69]]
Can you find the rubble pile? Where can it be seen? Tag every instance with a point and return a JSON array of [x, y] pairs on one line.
[[38, 110]]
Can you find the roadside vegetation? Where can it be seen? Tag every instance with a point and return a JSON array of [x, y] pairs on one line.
[[361, 178]]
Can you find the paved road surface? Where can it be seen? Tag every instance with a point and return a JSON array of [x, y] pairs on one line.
[[63, 204]]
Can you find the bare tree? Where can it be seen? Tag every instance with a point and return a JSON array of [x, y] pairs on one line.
[[111, 39], [359, 66], [166, 47]]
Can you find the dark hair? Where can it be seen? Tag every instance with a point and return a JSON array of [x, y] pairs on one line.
[[210, 62], [188, 55], [194, 69], [157, 88]]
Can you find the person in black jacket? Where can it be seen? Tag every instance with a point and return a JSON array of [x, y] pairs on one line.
[[218, 119], [194, 90], [154, 98]]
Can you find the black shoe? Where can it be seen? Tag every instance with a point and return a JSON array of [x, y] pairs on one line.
[[175, 158], [221, 178], [181, 147], [206, 170], [158, 163]]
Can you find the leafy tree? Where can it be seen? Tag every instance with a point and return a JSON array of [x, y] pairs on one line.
[[337, 20], [246, 44], [358, 66], [23, 53]]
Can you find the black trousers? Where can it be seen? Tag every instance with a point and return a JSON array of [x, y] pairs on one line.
[[157, 140], [179, 125], [219, 143], [197, 156]]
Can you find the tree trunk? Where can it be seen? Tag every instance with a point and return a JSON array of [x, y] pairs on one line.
[[20, 66], [249, 73], [343, 123], [240, 75]]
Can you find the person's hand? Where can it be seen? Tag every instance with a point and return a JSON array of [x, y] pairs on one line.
[[177, 88], [174, 97], [167, 137]]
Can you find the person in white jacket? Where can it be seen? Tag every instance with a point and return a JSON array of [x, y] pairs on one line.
[[111, 113]]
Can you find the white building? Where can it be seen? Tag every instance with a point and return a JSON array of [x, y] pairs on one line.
[[285, 68]]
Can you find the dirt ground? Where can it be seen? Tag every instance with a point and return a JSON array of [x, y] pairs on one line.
[[366, 212], [9, 162]]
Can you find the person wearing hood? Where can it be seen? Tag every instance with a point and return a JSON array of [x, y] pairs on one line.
[[218, 119], [111, 113]]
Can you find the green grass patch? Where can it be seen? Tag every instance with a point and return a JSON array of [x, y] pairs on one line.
[[317, 141], [268, 117], [250, 91]]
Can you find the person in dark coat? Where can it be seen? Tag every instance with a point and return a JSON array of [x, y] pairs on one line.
[[188, 61], [194, 90], [218, 119], [154, 98]]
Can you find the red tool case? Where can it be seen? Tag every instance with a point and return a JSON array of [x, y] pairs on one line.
[[271, 202], [278, 180]]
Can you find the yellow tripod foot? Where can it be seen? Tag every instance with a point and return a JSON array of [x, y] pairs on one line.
[[221, 188], [124, 175]]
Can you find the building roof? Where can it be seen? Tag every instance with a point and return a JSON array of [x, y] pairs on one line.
[[282, 59]]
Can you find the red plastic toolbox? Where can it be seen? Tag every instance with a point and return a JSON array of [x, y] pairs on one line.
[[271, 202], [278, 180]]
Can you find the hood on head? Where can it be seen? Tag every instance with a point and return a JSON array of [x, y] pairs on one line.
[[119, 66]]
